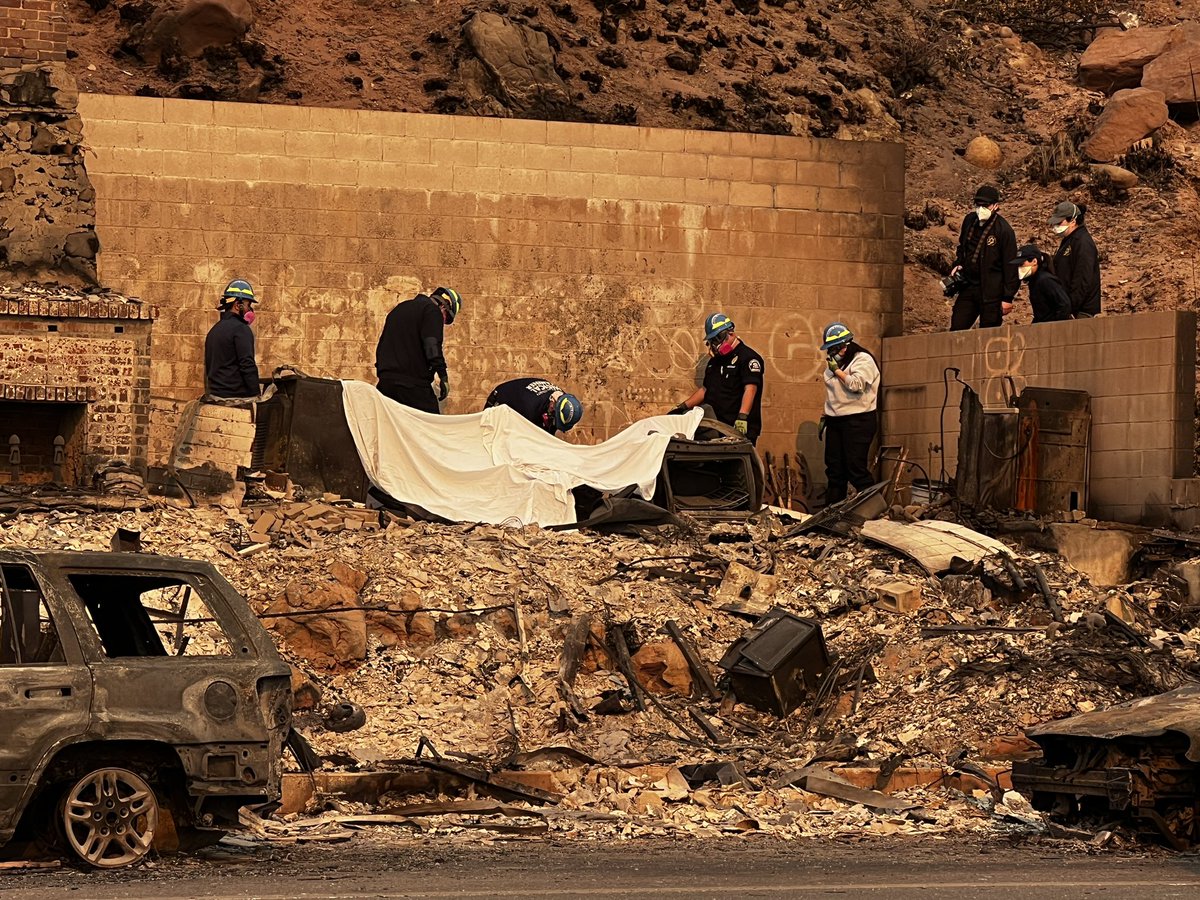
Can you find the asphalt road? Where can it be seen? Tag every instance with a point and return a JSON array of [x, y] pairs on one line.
[[636, 870]]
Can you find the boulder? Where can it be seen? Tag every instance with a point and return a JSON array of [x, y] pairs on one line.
[[1129, 116], [189, 27], [1121, 178], [513, 65], [324, 640], [1115, 59], [306, 693], [662, 669], [984, 153], [1176, 72], [422, 630]]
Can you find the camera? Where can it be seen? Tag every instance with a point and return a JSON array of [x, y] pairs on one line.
[[953, 283]]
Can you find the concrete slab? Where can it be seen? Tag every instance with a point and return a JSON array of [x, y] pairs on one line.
[[1104, 555]]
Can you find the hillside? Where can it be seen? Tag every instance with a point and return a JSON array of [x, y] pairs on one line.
[[932, 75]]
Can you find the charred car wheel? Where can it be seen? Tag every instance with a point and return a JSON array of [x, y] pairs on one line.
[[109, 817]]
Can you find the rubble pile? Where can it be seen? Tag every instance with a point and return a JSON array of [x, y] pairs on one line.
[[558, 661]]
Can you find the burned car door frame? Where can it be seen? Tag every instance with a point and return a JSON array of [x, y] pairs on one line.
[[44, 703], [203, 729]]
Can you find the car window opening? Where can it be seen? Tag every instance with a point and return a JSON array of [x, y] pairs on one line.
[[149, 615], [27, 633]]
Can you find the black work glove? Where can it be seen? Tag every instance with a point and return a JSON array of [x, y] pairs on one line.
[[678, 410], [444, 386]]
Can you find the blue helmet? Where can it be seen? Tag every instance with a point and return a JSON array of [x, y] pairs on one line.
[[237, 290], [450, 301], [567, 411], [716, 325], [835, 335]]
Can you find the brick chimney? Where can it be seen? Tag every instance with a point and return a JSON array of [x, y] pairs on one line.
[[31, 31]]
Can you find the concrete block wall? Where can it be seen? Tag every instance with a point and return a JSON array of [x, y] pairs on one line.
[[1140, 371], [585, 253], [32, 31], [217, 440], [95, 352]]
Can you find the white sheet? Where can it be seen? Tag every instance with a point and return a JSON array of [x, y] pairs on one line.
[[495, 466]]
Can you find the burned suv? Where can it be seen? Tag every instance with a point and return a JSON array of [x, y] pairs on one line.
[[132, 688]]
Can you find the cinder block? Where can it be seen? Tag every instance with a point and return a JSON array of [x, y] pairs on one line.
[[832, 199], [186, 164], [334, 171], [188, 112], [591, 159], [899, 596], [796, 196], [409, 150], [328, 119], [685, 165]]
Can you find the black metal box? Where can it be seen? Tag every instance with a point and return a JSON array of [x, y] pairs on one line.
[[778, 663]]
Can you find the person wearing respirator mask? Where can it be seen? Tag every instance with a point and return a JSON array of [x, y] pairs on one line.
[[229, 366], [733, 379], [986, 243], [1076, 262], [1047, 297], [850, 421]]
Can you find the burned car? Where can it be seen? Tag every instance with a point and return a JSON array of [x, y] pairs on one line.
[[1139, 759], [132, 687]]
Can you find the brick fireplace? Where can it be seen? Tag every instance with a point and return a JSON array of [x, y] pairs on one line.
[[75, 368]]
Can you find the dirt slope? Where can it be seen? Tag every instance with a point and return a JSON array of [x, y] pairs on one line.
[[910, 70]]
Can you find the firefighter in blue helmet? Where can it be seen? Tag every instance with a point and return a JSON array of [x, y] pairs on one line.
[[850, 421], [546, 405], [229, 366], [409, 353], [733, 379]]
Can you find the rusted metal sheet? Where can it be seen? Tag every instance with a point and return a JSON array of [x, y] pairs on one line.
[[1138, 759], [987, 454], [302, 430], [1175, 711], [933, 543], [1054, 437]]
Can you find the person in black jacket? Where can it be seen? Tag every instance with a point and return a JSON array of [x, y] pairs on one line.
[[986, 243], [1047, 297], [229, 366], [1076, 262], [733, 379], [546, 405], [409, 352]]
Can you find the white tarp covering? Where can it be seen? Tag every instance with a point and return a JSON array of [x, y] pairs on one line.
[[495, 466]]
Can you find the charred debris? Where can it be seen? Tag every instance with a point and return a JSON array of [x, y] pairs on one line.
[[873, 669]]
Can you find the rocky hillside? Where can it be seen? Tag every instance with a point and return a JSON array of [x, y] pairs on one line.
[[935, 75]]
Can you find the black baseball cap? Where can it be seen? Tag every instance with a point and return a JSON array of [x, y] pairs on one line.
[[1027, 253], [986, 195]]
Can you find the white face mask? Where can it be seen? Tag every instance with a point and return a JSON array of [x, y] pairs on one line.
[[983, 213], [1061, 227], [1024, 271]]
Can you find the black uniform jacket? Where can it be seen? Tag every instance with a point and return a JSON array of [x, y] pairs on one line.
[[229, 367], [725, 380], [410, 345], [988, 265], [1077, 265], [529, 397]]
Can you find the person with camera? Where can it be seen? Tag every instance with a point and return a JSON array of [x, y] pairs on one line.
[[983, 281]]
